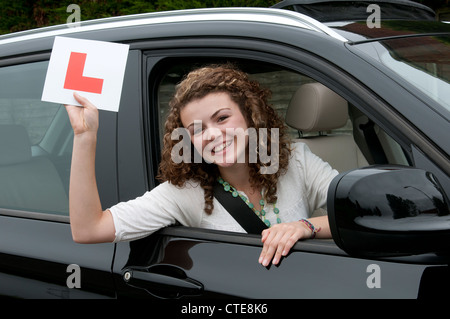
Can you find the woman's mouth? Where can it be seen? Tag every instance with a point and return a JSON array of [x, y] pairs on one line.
[[220, 148]]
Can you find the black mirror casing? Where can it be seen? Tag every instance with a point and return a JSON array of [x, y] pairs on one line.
[[389, 211]]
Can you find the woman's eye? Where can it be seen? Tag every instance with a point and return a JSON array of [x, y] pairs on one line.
[[222, 118]]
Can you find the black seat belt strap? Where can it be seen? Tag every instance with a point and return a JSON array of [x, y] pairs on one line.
[[239, 210]]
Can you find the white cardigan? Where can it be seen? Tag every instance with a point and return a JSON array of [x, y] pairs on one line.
[[301, 190]]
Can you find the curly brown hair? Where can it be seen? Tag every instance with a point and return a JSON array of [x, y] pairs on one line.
[[253, 103]]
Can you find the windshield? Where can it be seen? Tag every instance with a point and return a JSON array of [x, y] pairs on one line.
[[423, 61]]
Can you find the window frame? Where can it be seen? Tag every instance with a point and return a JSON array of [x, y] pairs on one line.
[[305, 63], [293, 59]]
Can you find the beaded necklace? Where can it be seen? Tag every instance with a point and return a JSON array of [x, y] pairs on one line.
[[261, 213]]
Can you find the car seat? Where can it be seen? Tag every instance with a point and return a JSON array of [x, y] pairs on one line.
[[316, 108], [26, 182]]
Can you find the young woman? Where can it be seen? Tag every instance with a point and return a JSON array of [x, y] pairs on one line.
[[224, 115]]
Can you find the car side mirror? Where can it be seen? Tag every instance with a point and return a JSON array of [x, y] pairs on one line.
[[389, 211]]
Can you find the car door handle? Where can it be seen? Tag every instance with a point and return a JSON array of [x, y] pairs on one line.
[[166, 281]]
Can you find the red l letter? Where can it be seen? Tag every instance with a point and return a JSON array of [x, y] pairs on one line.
[[75, 79]]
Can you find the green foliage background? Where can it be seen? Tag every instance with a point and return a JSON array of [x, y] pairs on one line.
[[18, 15]]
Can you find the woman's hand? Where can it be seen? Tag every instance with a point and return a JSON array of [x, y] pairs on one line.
[[279, 239], [85, 118]]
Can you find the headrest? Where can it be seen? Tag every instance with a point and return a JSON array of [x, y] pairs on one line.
[[15, 146], [314, 107]]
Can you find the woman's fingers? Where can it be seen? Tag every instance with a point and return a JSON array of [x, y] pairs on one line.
[[83, 101], [84, 118], [278, 241], [270, 246]]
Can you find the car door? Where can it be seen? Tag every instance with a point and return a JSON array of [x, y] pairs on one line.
[[192, 263], [180, 262], [38, 258]]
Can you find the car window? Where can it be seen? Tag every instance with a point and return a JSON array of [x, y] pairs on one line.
[[361, 139], [282, 83], [422, 61], [35, 143]]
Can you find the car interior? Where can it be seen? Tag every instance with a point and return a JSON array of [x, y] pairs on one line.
[[335, 130], [22, 174], [33, 163], [315, 108]]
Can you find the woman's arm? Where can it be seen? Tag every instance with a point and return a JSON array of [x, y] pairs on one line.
[[88, 222]]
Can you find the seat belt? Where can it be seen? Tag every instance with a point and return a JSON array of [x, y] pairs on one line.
[[239, 210]]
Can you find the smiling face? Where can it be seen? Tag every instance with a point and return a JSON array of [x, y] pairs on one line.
[[199, 106], [217, 128]]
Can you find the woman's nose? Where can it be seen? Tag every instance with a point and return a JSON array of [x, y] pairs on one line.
[[211, 133]]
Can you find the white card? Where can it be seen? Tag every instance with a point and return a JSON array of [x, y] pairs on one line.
[[94, 69]]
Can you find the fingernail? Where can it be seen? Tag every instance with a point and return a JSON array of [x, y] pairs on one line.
[[260, 259]]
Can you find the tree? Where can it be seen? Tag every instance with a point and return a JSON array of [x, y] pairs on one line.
[[21, 15]]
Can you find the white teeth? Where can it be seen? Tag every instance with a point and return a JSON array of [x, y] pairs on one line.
[[221, 147]]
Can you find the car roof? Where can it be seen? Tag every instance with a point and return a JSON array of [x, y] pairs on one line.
[[143, 26], [260, 15]]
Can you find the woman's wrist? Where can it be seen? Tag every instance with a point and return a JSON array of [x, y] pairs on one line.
[[310, 226], [86, 137]]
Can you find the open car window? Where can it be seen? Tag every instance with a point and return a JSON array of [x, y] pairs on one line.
[[374, 146]]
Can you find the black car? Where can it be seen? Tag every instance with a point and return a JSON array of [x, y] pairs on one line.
[[388, 208]]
